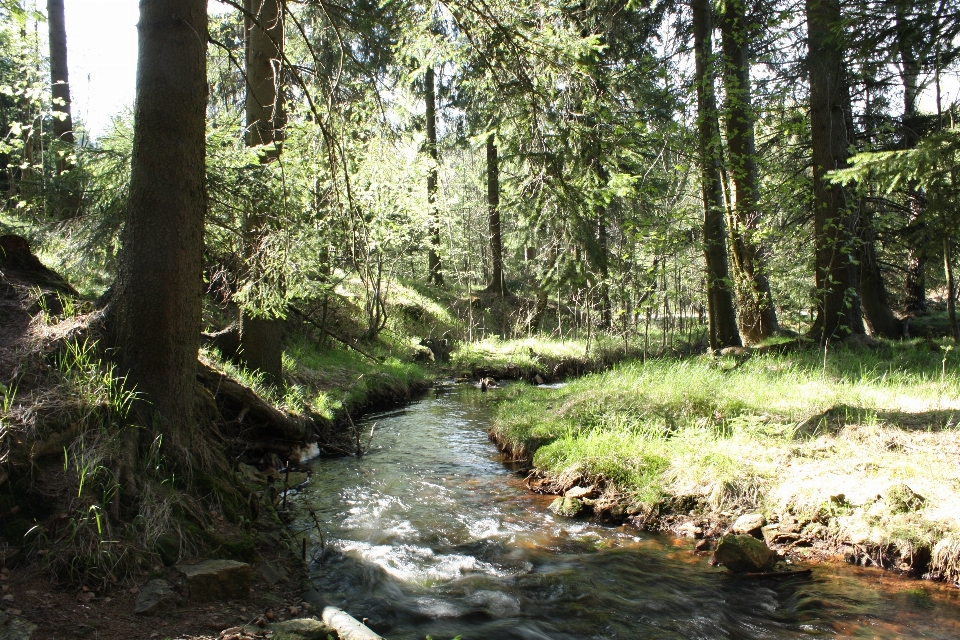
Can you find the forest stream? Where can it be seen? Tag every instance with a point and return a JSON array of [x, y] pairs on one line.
[[431, 533]]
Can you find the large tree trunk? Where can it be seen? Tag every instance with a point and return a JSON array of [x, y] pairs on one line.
[[59, 74], [723, 317], [433, 255], [156, 317], [756, 313], [873, 293], [493, 212], [838, 296], [917, 238], [260, 337]]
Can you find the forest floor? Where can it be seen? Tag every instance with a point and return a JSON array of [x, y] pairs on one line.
[[853, 454]]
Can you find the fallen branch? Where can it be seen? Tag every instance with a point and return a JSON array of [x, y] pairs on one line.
[[332, 334], [258, 410]]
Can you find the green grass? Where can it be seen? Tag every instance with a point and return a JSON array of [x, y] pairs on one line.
[[777, 432], [329, 380], [524, 356]]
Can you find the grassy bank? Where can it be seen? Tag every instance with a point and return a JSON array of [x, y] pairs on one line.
[[832, 446], [550, 358]]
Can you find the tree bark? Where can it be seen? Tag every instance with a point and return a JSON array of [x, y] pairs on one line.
[[156, 320], [873, 293], [493, 214], [838, 295], [951, 289], [264, 49], [757, 315], [261, 347], [433, 255], [722, 314], [917, 237], [59, 74]]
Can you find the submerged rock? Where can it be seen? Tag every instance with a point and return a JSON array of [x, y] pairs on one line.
[[15, 628], [742, 554], [156, 596], [217, 580], [749, 524], [567, 506]]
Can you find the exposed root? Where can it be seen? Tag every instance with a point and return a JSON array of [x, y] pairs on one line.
[[945, 560]]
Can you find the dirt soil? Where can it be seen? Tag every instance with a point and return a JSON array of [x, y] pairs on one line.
[[62, 612]]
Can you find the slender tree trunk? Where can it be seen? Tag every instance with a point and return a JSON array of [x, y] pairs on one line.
[[433, 254], [838, 303], [59, 74], [261, 346], [723, 317], [155, 315], [603, 266], [493, 213], [757, 315], [951, 288]]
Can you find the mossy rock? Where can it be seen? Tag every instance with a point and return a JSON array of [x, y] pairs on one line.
[[568, 507], [741, 554], [302, 629], [900, 498], [168, 548]]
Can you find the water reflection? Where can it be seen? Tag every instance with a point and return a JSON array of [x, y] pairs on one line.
[[432, 534]]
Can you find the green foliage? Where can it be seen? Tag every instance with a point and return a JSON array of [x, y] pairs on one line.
[[933, 165]]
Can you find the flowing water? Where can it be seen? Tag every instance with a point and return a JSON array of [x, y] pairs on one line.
[[432, 534]]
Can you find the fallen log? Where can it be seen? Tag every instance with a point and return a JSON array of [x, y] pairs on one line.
[[257, 410], [347, 627]]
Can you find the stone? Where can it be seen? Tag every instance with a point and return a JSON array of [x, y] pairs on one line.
[[783, 532], [735, 351], [216, 580], [749, 524], [297, 478], [250, 473], [900, 498], [301, 629], [742, 554], [168, 548], [578, 492], [568, 507], [702, 545], [156, 596], [15, 628], [850, 555], [272, 574], [690, 530]]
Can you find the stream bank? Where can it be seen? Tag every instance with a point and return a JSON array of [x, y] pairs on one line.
[[857, 465], [433, 532]]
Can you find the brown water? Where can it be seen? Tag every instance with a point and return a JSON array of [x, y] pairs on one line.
[[432, 534]]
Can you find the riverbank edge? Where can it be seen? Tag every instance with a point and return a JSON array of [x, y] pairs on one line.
[[691, 517]]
